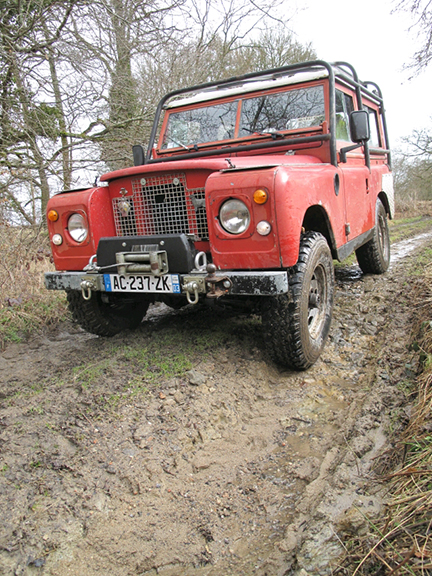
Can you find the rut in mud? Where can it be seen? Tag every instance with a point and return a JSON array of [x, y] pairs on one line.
[[182, 449]]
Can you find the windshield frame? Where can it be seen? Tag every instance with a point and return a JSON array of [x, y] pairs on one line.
[[286, 133]]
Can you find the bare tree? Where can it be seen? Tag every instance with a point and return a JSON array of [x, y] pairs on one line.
[[113, 35], [412, 180], [80, 79], [420, 143], [28, 29], [421, 14], [180, 64], [413, 168]]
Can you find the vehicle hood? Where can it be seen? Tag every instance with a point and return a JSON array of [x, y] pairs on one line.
[[214, 165]]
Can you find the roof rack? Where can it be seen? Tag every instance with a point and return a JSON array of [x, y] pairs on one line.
[[339, 69]]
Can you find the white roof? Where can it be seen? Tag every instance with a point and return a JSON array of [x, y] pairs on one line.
[[246, 86]]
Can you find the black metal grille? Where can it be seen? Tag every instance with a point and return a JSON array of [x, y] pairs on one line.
[[161, 205]]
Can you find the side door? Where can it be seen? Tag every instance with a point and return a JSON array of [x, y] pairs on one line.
[[355, 175]]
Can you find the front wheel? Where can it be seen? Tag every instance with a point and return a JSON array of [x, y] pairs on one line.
[[374, 256], [106, 317], [297, 324]]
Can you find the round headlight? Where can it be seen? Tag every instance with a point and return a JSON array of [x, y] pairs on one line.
[[77, 227], [234, 216]]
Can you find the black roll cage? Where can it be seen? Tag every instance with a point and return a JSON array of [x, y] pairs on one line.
[[335, 70]]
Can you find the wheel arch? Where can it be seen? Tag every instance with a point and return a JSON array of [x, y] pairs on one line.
[[316, 220], [385, 201]]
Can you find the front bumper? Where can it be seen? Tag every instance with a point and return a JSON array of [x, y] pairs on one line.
[[262, 283]]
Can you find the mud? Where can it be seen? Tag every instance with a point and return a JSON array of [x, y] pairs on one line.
[[182, 449]]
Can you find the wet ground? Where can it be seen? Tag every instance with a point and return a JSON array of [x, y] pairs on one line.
[[181, 449]]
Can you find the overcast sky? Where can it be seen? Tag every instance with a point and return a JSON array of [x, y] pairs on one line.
[[378, 44]]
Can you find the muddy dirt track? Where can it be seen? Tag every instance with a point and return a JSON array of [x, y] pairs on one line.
[[181, 449]]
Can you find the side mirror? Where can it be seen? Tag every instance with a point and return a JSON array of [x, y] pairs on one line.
[[359, 133], [359, 126], [138, 155]]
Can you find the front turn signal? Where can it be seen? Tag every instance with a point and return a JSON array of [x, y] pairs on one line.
[[260, 196], [53, 216]]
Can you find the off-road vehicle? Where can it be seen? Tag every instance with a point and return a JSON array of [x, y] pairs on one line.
[[253, 187]]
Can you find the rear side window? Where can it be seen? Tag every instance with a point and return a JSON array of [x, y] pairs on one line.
[[344, 107]]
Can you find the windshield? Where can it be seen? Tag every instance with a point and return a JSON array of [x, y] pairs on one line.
[[299, 108], [208, 124], [290, 110]]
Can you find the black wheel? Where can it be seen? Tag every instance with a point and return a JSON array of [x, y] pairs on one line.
[[106, 318], [374, 256], [297, 324]]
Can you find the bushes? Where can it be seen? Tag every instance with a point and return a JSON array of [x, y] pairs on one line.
[[25, 304]]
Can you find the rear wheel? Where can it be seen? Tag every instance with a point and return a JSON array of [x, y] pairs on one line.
[[297, 324], [374, 256], [106, 318]]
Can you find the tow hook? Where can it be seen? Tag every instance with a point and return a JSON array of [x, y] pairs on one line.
[[191, 288], [219, 285], [86, 288]]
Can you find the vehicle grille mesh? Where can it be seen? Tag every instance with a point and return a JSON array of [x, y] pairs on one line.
[[161, 205]]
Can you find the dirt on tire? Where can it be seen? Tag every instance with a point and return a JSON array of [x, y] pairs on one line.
[[181, 448]]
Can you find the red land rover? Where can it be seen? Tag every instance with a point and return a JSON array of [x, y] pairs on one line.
[[255, 185]]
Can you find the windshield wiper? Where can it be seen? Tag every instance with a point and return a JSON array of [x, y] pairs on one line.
[[273, 133], [180, 144]]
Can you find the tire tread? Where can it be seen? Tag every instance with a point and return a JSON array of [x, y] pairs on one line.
[[282, 317], [95, 317]]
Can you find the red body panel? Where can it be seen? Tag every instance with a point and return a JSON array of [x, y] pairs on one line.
[[294, 184], [95, 204], [297, 190], [249, 250]]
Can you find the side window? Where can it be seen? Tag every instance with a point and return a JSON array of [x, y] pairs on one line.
[[344, 107], [374, 132]]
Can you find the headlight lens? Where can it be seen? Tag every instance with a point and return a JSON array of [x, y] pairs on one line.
[[234, 216], [77, 227]]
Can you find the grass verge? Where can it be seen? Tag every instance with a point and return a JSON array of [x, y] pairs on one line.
[[25, 305], [401, 543]]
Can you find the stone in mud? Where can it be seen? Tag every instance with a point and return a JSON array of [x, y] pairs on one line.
[[196, 378]]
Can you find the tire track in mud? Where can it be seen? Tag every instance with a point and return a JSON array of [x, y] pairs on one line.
[[237, 468]]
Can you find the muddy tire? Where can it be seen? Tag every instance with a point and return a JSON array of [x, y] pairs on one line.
[[105, 318], [374, 256], [297, 324]]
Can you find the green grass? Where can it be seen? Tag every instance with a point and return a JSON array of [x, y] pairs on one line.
[[408, 227], [423, 258], [88, 374]]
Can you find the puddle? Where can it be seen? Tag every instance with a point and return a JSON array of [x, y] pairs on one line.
[[405, 247], [348, 274], [399, 250]]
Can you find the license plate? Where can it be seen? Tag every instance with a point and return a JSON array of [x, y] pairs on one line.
[[168, 283]]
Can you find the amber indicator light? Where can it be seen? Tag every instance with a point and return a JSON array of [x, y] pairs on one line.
[[53, 216], [260, 196]]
